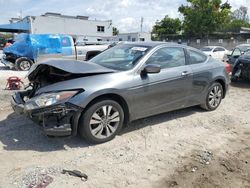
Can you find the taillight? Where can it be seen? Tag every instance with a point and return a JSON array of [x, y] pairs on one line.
[[228, 68]]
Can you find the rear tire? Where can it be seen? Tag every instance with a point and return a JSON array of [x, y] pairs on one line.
[[101, 121], [23, 64], [214, 96]]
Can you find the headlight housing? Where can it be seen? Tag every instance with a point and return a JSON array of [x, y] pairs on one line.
[[48, 99]]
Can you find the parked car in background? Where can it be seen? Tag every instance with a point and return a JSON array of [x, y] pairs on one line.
[[122, 84], [241, 68], [237, 52], [30, 48], [217, 52]]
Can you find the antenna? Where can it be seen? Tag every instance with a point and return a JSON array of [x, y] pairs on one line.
[[141, 23]]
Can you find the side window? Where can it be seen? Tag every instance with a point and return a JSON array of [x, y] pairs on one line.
[[66, 42], [219, 50], [100, 28], [168, 57], [236, 52], [196, 57]]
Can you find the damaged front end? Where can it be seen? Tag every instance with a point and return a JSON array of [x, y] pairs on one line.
[[54, 85], [56, 116]]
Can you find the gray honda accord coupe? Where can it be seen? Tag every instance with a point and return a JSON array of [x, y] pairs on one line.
[[124, 83]]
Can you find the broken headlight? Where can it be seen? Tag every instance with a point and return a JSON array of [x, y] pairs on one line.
[[48, 99]]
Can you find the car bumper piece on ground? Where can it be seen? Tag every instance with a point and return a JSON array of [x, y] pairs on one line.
[[56, 120]]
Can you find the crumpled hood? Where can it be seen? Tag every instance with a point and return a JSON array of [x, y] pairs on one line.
[[69, 66]]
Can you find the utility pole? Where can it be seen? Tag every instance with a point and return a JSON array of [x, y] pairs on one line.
[[141, 23], [21, 14]]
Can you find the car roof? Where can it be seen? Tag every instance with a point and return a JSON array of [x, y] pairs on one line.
[[243, 45], [155, 43], [213, 47]]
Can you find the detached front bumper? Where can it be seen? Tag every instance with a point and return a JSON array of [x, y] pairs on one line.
[[56, 120]]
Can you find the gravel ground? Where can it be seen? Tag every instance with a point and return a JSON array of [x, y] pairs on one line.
[[184, 148]]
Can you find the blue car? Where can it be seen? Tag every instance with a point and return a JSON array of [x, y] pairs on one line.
[[29, 48]]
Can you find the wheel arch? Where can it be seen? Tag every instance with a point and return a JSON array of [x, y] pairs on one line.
[[223, 84], [112, 96]]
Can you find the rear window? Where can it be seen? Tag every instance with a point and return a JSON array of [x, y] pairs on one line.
[[196, 57], [206, 49]]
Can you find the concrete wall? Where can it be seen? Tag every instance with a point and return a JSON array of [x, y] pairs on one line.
[[229, 41], [70, 26], [131, 37], [226, 43]]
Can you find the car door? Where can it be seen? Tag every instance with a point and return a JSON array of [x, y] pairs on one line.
[[234, 56], [164, 91]]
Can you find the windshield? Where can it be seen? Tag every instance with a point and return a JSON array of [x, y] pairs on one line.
[[121, 57], [244, 48], [206, 49]]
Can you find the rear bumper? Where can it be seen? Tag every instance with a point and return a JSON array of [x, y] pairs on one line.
[[57, 120]]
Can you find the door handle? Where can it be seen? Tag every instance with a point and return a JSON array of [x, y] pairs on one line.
[[185, 73]]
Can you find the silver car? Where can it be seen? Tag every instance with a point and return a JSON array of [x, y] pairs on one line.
[[127, 82]]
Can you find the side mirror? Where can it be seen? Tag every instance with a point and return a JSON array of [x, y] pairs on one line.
[[151, 69]]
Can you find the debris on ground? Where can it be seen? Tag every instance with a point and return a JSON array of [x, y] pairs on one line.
[[37, 177], [43, 183], [14, 83], [195, 168], [76, 173], [204, 157], [172, 183], [227, 165]]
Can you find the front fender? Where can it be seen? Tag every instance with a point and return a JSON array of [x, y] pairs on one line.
[[84, 98]]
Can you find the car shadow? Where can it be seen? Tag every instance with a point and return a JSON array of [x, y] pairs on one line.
[[244, 84], [20, 133]]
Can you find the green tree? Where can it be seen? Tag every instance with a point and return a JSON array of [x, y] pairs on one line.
[[239, 18], [166, 26], [115, 31], [203, 17], [240, 14]]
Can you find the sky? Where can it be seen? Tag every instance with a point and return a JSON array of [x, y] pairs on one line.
[[125, 14]]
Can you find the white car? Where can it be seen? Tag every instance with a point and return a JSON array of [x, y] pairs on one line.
[[217, 52], [1, 54]]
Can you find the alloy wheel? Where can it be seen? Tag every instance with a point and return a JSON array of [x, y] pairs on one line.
[[25, 65], [215, 96], [104, 122]]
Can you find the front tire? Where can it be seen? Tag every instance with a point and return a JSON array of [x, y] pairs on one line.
[[214, 96], [101, 121], [23, 64]]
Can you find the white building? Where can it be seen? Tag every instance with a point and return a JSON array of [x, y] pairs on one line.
[[132, 37], [55, 23]]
